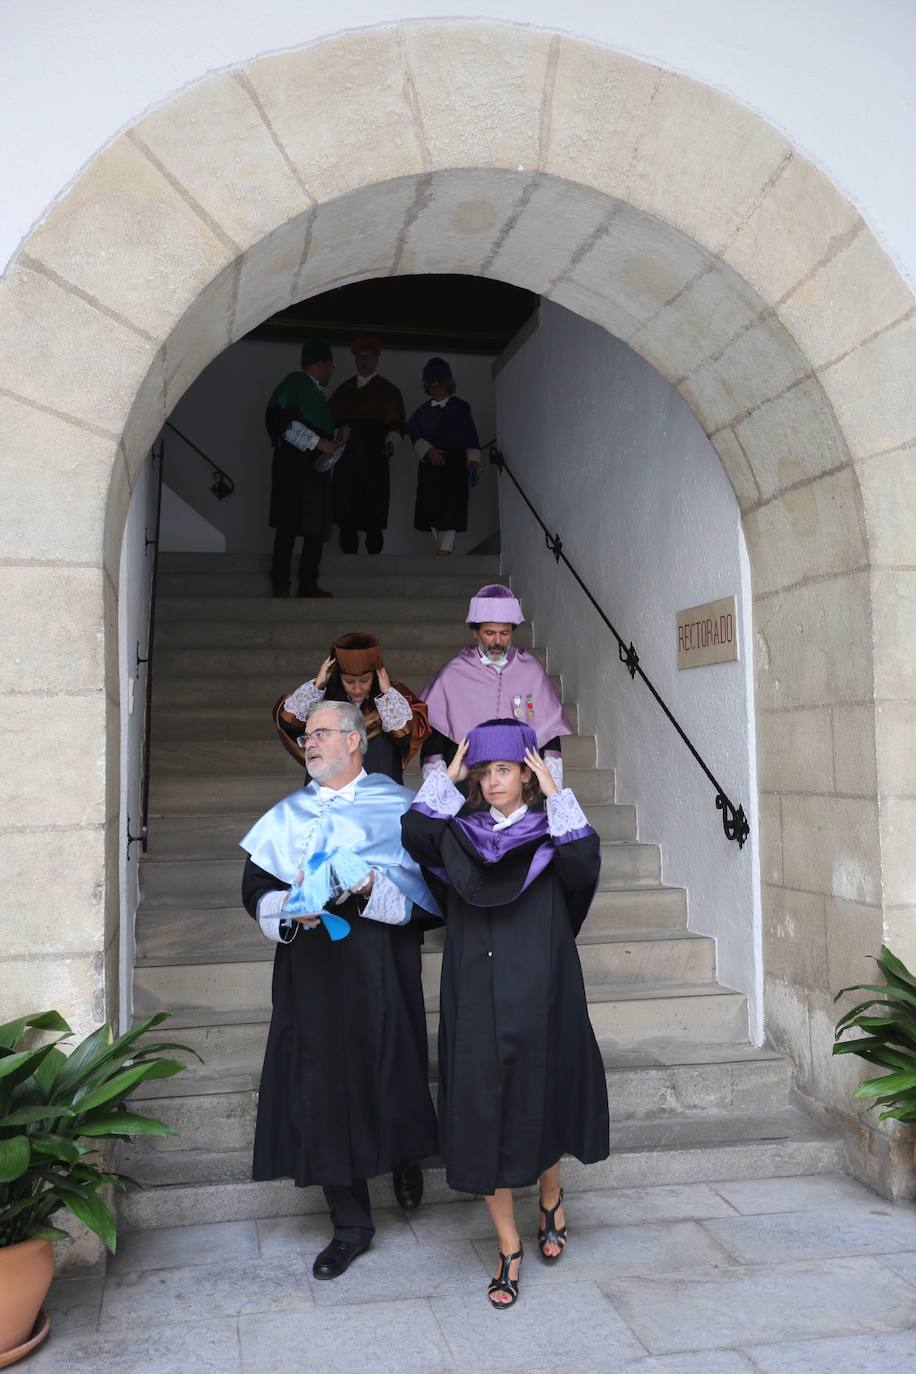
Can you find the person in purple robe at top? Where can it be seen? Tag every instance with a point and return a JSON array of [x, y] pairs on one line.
[[445, 441], [521, 1078], [491, 678]]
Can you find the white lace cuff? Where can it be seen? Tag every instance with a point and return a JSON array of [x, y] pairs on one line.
[[272, 922], [565, 816], [300, 436], [555, 769], [393, 710], [473, 455], [438, 796], [304, 700], [434, 764], [387, 902], [421, 448]]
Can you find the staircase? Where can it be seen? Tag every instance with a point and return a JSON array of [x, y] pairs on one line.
[[690, 1098]]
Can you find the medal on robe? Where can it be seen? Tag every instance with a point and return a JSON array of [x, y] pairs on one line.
[[517, 707]]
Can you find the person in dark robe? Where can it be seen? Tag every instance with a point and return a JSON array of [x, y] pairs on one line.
[[395, 719], [344, 1093], [372, 408], [491, 678], [521, 1079], [306, 447], [445, 441]]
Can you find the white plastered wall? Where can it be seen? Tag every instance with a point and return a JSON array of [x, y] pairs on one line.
[[614, 459], [835, 75]]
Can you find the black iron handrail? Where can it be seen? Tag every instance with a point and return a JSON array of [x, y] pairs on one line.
[[223, 484], [734, 821], [152, 542]]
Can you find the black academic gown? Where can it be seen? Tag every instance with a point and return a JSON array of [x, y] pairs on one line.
[[521, 1079], [442, 492], [300, 496], [344, 1089]]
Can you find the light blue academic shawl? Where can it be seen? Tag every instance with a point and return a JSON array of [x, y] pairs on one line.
[[369, 826]]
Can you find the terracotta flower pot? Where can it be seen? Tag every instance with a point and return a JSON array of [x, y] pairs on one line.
[[26, 1271]]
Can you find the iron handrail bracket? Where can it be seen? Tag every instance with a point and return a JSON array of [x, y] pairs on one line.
[[223, 484], [734, 821]]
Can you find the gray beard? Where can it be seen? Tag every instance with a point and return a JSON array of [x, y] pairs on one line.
[[321, 771]]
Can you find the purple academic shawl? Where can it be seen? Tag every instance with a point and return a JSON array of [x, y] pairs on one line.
[[466, 692]]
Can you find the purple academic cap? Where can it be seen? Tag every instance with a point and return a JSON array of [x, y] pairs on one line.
[[494, 603], [505, 740], [436, 370]]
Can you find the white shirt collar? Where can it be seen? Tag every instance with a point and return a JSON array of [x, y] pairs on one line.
[[441, 404], [497, 663], [503, 822], [364, 381], [347, 793]]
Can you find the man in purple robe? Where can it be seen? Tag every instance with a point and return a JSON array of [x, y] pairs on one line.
[[490, 679]]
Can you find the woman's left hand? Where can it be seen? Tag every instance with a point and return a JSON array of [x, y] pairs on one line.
[[384, 681], [543, 774]]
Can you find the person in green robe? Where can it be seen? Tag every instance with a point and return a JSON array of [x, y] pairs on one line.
[[306, 447]]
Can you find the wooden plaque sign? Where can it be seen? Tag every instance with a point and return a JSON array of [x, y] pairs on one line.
[[708, 634]]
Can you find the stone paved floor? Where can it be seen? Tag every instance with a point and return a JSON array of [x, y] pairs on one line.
[[780, 1276]]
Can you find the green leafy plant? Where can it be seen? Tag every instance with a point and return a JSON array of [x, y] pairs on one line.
[[888, 1025], [57, 1109]]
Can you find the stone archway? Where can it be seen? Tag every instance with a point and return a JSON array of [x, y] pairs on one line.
[[654, 206]]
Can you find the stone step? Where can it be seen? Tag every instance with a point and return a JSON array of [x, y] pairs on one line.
[[339, 613], [704, 1013], [221, 721], [214, 796], [175, 691], [217, 837], [666, 1078], [777, 1144], [412, 662], [224, 1113], [262, 757], [664, 956], [165, 934], [236, 971], [359, 583], [217, 882], [483, 565], [313, 638]]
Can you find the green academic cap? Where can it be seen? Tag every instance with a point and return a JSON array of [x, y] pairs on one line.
[[315, 350]]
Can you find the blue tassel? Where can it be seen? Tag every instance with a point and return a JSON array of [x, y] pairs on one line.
[[349, 869], [314, 892]]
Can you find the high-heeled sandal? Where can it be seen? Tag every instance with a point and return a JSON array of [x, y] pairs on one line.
[[503, 1284], [551, 1234]]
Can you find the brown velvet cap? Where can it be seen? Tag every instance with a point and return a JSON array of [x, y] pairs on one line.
[[357, 653]]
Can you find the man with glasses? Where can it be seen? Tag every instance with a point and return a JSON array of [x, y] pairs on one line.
[[344, 1092]]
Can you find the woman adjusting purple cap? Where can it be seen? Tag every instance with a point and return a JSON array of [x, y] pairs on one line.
[[513, 865]]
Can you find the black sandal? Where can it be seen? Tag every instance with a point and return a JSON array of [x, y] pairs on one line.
[[551, 1234], [503, 1284]]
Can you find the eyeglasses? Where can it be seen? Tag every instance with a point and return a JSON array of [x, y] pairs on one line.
[[321, 734]]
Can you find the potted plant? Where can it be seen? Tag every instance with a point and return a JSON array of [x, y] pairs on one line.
[[887, 1026], [56, 1112]]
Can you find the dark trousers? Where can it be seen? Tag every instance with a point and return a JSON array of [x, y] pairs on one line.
[[349, 539], [351, 1214], [309, 560]]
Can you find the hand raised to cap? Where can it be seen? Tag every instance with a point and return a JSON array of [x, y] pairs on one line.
[[541, 772], [456, 769], [324, 672], [384, 681]]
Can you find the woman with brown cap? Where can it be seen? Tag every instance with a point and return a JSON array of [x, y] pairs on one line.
[[396, 721]]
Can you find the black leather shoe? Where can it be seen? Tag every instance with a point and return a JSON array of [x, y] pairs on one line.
[[314, 590], [337, 1257], [408, 1186]]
